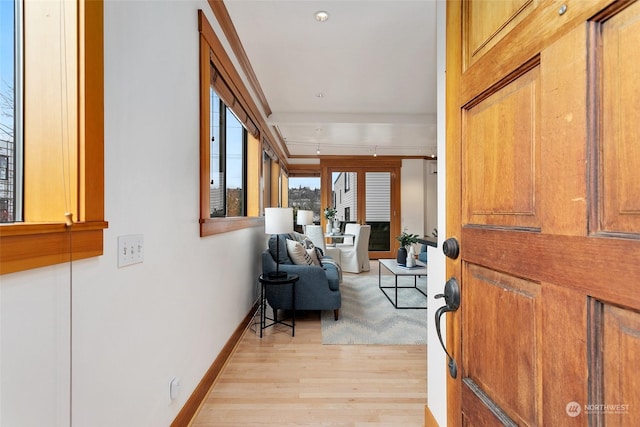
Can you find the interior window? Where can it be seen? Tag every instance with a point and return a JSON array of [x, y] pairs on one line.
[[10, 146], [228, 147], [236, 137], [240, 174], [304, 194], [52, 132]]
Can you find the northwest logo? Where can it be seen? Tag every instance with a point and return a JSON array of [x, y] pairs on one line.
[[573, 409]]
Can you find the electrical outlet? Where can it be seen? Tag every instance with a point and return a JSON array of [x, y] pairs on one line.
[[130, 249], [174, 388]]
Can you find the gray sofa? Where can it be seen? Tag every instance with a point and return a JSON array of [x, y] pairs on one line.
[[317, 289]]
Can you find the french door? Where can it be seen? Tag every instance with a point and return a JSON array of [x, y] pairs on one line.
[[366, 194]]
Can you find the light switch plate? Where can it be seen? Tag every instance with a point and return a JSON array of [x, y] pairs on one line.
[[130, 249]]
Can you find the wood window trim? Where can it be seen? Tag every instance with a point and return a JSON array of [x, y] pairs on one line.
[[223, 225], [25, 246], [304, 170], [254, 171], [212, 52]]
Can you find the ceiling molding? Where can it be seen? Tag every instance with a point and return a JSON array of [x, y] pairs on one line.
[[222, 15], [281, 141], [296, 170], [360, 161], [313, 118]]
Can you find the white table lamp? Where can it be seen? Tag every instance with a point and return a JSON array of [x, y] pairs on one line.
[[304, 218], [278, 221]]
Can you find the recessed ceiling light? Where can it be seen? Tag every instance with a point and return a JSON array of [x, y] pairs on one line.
[[320, 95], [321, 16]]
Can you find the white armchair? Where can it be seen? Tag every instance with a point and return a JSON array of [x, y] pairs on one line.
[[355, 258]]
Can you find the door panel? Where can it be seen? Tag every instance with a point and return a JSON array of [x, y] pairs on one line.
[[344, 192], [621, 133], [378, 210], [547, 201], [564, 135], [501, 135], [501, 326], [621, 356], [487, 24], [564, 354]]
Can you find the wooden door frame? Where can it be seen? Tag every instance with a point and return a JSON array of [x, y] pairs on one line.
[[453, 157], [361, 166]]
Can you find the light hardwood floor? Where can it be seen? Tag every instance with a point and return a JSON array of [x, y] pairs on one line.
[[283, 381]]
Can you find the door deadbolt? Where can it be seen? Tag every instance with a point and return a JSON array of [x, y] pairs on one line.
[[451, 248]]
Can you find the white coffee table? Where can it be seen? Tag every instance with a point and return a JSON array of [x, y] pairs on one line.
[[392, 265]]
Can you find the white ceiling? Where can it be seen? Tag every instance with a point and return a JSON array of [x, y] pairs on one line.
[[373, 61]]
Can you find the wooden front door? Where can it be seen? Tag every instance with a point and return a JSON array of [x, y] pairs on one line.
[[543, 195]]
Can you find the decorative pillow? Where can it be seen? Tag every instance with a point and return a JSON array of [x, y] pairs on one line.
[[309, 246], [284, 257], [307, 243], [298, 237], [314, 256], [319, 254], [298, 253]]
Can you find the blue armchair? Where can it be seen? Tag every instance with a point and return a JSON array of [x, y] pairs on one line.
[[317, 289], [426, 241], [422, 256]]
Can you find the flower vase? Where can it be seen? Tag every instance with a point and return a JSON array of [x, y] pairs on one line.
[[411, 258], [336, 226], [327, 227], [402, 256]]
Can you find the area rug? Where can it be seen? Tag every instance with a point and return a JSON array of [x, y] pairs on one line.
[[367, 316]]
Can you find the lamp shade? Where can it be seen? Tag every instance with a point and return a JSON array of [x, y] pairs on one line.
[[278, 220], [305, 217]]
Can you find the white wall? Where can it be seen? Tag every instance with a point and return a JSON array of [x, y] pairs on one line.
[[412, 195], [437, 370], [134, 328]]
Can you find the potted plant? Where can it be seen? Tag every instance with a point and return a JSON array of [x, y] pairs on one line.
[[405, 239]]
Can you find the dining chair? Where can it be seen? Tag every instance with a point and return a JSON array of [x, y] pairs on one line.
[[355, 258]]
